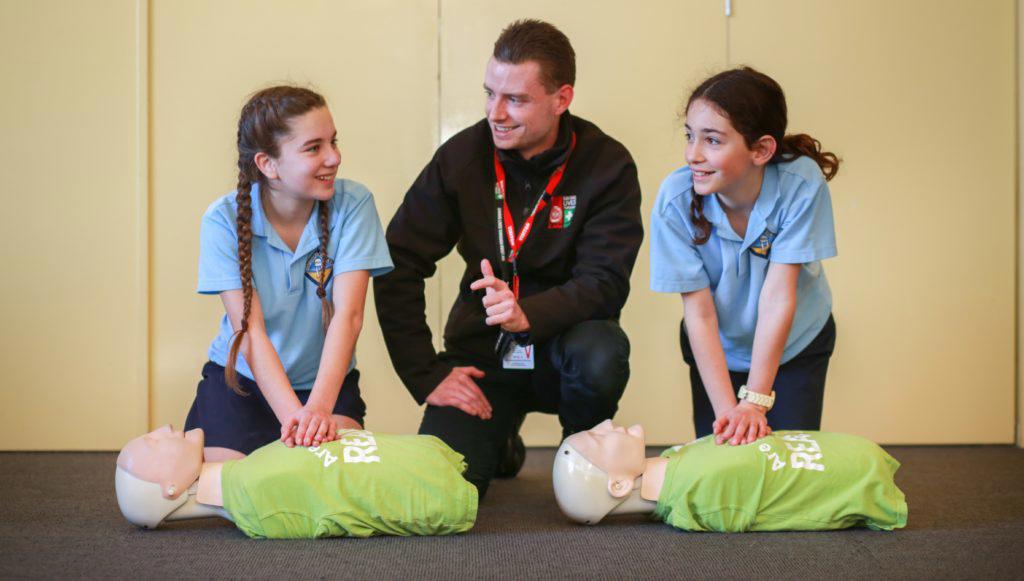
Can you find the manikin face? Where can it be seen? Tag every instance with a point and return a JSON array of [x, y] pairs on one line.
[[618, 451], [308, 158], [168, 457], [718, 155], [522, 114]]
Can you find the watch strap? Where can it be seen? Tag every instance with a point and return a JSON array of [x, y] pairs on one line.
[[754, 397]]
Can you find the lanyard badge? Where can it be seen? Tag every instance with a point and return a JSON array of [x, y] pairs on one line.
[[507, 231]]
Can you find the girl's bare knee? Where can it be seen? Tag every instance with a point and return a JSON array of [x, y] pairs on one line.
[[347, 423]]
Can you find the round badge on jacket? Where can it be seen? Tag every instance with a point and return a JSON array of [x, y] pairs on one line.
[[556, 215]]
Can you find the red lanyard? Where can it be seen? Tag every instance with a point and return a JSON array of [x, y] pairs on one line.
[[506, 226]]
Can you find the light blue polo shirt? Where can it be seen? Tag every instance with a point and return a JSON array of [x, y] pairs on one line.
[[283, 279], [791, 223]]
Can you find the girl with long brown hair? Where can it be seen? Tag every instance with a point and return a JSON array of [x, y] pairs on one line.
[[740, 233], [290, 253]]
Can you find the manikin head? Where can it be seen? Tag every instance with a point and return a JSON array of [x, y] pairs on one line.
[[154, 471], [595, 471]]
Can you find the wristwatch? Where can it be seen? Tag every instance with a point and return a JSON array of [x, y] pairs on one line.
[[759, 398]]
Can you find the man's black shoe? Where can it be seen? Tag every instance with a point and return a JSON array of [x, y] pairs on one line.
[[512, 453]]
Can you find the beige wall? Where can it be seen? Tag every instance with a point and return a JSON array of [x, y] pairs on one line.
[[916, 96], [73, 236]]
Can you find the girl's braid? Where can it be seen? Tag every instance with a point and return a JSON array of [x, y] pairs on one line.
[[243, 225], [325, 234]]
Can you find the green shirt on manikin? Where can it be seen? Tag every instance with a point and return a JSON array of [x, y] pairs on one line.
[[359, 485], [791, 480]]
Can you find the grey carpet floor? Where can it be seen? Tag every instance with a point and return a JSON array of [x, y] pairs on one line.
[[59, 518]]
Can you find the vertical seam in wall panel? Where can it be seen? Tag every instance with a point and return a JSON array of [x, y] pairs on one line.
[[437, 133], [728, 40], [438, 340], [144, 351], [1019, 384]]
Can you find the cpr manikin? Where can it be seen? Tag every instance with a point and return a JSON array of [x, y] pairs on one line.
[[790, 480], [361, 484]]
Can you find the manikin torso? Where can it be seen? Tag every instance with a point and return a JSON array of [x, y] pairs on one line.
[[209, 484]]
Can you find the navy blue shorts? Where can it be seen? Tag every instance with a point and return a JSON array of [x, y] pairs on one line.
[[799, 385], [246, 422]]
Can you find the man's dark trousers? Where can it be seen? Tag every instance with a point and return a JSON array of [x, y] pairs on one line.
[[580, 375]]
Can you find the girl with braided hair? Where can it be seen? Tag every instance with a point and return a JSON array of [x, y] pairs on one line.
[[290, 253], [741, 232]]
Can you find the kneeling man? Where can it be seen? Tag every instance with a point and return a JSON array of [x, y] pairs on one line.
[[544, 209]]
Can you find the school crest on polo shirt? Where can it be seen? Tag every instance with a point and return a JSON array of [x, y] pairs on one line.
[[563, 208], [319, 267], [763, 245]]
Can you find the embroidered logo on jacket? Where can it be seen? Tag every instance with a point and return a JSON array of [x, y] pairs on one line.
[[568, 210], [562, 210], [763, 245], [556, 216], [317, 270]]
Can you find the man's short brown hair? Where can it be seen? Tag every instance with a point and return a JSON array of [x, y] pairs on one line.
[[538, 41]]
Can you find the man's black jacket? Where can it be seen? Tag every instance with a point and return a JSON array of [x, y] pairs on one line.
[[567, 275]]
